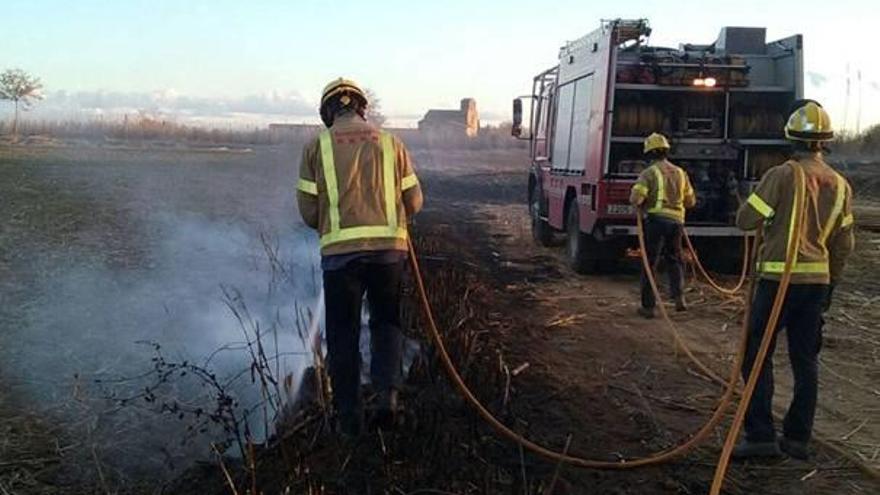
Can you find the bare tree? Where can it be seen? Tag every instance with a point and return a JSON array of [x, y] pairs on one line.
[[374, 109], [22, 89]]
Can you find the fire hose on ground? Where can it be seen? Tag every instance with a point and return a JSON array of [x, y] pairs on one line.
[[712, 283], [657, 458], [729, 384]]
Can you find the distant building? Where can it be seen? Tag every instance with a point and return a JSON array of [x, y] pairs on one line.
[[453, 123]]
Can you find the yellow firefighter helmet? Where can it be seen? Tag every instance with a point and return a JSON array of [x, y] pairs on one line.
[[341, 86], [656, 141], [810, 122]]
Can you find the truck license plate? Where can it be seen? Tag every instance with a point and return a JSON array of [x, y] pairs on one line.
[[621, 210]]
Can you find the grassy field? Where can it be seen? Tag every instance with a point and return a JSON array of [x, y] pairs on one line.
[[103, 248]]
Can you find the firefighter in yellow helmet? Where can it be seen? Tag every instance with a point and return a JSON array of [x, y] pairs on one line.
[[662, 193], [358, 189], [824, 198]]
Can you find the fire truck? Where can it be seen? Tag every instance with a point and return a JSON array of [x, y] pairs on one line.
[[723, 106]]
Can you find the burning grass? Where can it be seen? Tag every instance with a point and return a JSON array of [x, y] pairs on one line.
[[440, 446]]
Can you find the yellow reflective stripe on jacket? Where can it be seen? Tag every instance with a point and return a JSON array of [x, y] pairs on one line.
[[659, 204], [760, 206], [847, 221], [800, 190], [779, 267], [641, 189], [408, 182], [661, 190], [308, 187], [388, 179], [365, 232], [390, 228], [329, 167], [836, 211], [682, 181]]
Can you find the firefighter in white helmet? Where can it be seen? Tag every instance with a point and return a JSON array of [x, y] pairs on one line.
[[662, 193], [826, 239], [358, 189]]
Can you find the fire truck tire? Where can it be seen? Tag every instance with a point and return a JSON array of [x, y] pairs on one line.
[[582, 249], [542, 232]]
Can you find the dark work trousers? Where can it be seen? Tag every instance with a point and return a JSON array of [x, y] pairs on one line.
[[344, 290], [663, 243], [801, 318]]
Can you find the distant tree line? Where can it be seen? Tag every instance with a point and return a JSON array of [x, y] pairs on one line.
[[137, 128], [866, 143], [144, 127]]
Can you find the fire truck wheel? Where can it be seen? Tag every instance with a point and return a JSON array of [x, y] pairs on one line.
[[582, 249], [541, 230]]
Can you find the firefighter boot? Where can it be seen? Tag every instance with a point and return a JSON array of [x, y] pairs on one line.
[[794, 448], [647, 313], [350, 425], [680, 304], [385, 415], [746, 449]]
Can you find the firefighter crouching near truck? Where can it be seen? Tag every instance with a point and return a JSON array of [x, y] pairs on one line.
[[357, 188], [662, 193], [826, 240]]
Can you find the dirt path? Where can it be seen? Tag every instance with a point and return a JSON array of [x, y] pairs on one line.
[[614, 382]]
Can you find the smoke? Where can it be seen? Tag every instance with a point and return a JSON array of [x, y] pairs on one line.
[[161, 241], [88, 322], [173, 236]]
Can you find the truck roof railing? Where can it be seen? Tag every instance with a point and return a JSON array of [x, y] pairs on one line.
[[627, 29], [624, 30]]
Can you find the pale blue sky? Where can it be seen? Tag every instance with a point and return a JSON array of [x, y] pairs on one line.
[[414, 55]]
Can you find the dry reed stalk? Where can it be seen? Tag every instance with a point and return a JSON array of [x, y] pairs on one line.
[[225, 471], [855, 430], [100, 471]]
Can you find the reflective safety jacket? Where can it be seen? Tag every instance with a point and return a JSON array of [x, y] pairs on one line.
[[357, 187], [826, 235], [665, 190]]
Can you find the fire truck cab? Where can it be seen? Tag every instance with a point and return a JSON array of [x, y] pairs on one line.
[[722, 105]]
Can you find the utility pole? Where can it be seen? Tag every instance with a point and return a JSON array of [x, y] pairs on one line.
[[859, 109], [846, 100]]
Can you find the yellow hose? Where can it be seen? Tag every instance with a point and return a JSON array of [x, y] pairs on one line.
[[646, 264], [769, 330], [743, 272], [556, 456], [730, 383]]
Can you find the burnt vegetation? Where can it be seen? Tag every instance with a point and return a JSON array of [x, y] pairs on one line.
[[273, 446]]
